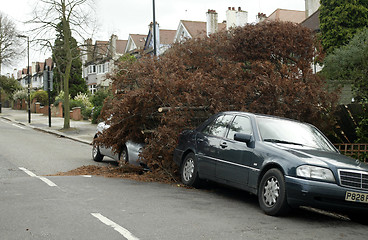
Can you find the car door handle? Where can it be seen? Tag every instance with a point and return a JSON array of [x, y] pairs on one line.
[[223, 145], [200, 140]]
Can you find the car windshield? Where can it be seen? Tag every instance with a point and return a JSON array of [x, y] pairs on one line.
[[292, 133]]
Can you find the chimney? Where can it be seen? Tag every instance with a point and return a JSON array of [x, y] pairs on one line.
[[311, 6], [212, 22], [112, 46], [158, 44], [235, 18], [89, 49], [261, 17]]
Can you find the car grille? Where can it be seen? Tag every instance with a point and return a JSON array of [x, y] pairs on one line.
[[354, 179]]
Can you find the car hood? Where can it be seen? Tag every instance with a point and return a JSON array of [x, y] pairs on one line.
[[327, 159]]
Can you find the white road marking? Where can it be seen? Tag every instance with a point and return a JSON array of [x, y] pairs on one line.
[[128, 235], [87, 176], [16, 125], [28, 172], [45, 180]]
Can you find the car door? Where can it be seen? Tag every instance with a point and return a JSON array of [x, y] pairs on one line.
[[208, 141], [235, 157]]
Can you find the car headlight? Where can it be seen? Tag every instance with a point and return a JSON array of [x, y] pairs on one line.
[[313, 172]]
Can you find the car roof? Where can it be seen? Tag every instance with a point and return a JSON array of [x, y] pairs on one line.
[[259, 115]]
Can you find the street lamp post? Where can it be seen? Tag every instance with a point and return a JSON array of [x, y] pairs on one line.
[[29, 79]]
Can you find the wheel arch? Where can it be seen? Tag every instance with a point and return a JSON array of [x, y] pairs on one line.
[[185, 153], [124, 146], [267, 167]]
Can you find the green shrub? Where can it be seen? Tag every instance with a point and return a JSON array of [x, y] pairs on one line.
[[20, 94], [75, 103], [41, 96], [87, 113], [99, 97], [83, 97], [96, 113]]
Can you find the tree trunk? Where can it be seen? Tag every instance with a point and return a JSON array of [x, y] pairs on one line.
[[67, 33]]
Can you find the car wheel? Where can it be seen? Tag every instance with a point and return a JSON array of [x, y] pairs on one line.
[[123, 157], [272, 193], [96, 155], [189, 171]]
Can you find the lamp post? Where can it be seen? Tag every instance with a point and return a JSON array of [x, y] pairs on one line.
[[29, 80]]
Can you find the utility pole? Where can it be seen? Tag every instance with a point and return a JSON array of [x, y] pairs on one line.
[[154, 30]]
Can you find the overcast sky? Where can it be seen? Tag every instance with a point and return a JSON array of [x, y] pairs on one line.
[[122, 17]]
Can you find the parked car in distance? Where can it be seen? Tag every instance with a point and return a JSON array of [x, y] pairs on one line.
[[284, 162], [128, 154]]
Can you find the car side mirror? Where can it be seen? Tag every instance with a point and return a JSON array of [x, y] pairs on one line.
[[241, 137]]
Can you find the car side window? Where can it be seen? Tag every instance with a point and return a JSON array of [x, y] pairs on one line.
[[218, 127], [240, 125]]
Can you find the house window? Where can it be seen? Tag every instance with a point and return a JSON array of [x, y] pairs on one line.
[[93, 88], [92, 69]]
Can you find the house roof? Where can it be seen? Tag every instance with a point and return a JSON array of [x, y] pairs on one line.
[[312, 22], [101, 48], [139, 40], [199, 29], [167, 36], [195, 28], [120, 46], [286, 15]]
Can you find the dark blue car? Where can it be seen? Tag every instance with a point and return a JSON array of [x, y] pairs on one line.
[[285, 162]]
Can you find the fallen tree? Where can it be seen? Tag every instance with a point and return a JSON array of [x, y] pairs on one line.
[[263, 68]]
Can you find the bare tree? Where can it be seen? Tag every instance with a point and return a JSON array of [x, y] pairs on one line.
[[75, 18], [9, 43]]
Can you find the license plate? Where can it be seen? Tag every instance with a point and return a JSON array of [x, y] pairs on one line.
[[356, 197]]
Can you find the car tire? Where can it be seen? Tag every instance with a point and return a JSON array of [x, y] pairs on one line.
[[189, 171], [96, 155], [272, 193], [123, 157]]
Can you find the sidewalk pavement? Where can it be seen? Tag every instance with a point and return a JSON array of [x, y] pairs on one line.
[[81, 131]]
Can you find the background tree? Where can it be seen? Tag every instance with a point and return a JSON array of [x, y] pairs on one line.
[[340, 20], [264, 68], [73, 16], [9, 43], [8, 86], [76, 82], [350, 62]]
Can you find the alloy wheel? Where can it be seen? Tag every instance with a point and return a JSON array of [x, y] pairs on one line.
[[188, 169], [271, 192]]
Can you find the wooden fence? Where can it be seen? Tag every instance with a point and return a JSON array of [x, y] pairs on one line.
[[355, 150]]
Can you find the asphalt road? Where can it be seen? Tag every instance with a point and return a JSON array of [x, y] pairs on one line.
[[33, 206]]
